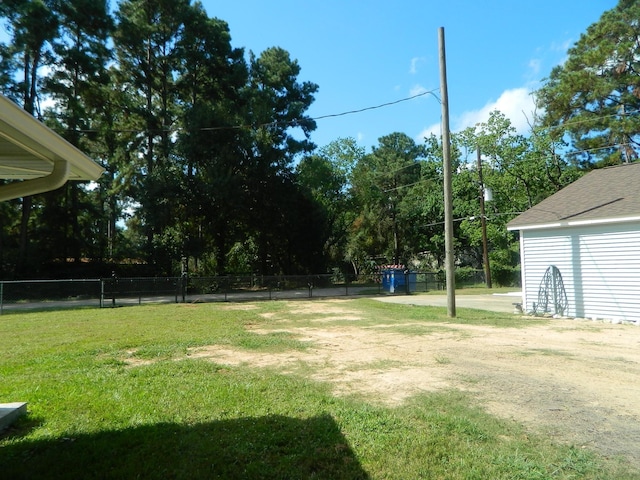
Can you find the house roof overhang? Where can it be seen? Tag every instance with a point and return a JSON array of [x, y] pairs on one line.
[[575, 223], [35, 154]]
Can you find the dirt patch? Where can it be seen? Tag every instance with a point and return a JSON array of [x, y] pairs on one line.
[[131, 359], [239, 306], [575, 380]]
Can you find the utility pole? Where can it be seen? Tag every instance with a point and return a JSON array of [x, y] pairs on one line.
[[483, 223], [448, 195]]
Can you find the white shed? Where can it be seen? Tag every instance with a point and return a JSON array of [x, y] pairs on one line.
[[580, 248]]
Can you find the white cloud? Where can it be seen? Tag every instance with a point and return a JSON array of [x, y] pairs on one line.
[[413, 68], [535, 66], [417, 90], [562, 46], [516, 104], [435, 129]]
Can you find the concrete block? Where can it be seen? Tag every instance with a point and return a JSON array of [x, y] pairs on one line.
[[9, 412]]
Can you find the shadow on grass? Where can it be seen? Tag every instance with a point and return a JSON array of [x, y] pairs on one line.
[[20, 428], [252, 448]]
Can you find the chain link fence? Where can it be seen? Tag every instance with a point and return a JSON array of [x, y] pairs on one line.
[[116, 291]]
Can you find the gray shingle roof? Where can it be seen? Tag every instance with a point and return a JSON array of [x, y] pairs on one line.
[[604, 194]]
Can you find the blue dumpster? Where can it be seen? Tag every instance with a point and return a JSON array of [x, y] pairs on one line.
[[398, 280]]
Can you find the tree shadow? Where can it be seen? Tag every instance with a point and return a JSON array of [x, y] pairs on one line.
[[253, 448]]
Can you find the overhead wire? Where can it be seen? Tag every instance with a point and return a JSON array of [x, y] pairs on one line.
[[585, 121], [460, 219], [382, 105], [293, 122], [571, 123]]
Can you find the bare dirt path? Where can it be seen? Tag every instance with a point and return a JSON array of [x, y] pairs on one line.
[[575, 380]]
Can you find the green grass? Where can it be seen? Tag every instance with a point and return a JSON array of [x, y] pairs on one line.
[[546, 351], [93, 415]]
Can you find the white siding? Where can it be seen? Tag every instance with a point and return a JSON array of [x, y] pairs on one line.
[[541, 250], [600, 267]]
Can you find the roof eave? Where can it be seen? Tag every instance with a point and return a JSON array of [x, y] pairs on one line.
[[40, 160], [574, 223], [52, 147]]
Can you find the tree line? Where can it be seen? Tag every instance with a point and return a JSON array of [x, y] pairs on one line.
[[210, 162]]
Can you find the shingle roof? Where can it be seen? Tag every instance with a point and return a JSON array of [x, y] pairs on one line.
[[605, 194]]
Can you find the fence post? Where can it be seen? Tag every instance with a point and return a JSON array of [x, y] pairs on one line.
[[113, 292], [1, 297], [176, 286], [183, 278], [407, 287]]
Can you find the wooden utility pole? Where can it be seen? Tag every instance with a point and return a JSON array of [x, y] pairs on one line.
[[483, 223], [448, 195]]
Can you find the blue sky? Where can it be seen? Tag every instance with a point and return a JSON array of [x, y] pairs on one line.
[[367, 53]]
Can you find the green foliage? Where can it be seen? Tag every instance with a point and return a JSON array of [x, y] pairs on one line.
[[209, 155], [242, 257], [593, 98], [469, 276], [164, 120], [386, 187], [519, 170], [327, 176]]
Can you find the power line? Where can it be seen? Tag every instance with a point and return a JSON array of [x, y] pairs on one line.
[[424, 180], [351, 112], [275, 123], [595, 149], [473, 217], [571, 123]]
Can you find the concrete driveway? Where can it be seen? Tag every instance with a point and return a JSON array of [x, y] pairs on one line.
[[495, 302]]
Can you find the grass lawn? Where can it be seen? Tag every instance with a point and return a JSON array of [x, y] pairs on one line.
[[113, 393]]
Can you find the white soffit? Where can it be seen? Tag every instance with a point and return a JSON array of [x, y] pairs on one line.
[[30, 150]]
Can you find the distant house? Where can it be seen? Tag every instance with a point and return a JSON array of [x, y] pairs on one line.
[[580, 248]]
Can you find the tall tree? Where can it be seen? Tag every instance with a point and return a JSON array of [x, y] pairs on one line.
[[146, 42], [532, 164], [520, 170], [383, 183], [594, 97], [78, 74], [276, 106], [32, 26], [327, 176], [212, 77]]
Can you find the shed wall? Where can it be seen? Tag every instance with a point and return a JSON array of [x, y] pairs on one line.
[[600, 267]]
